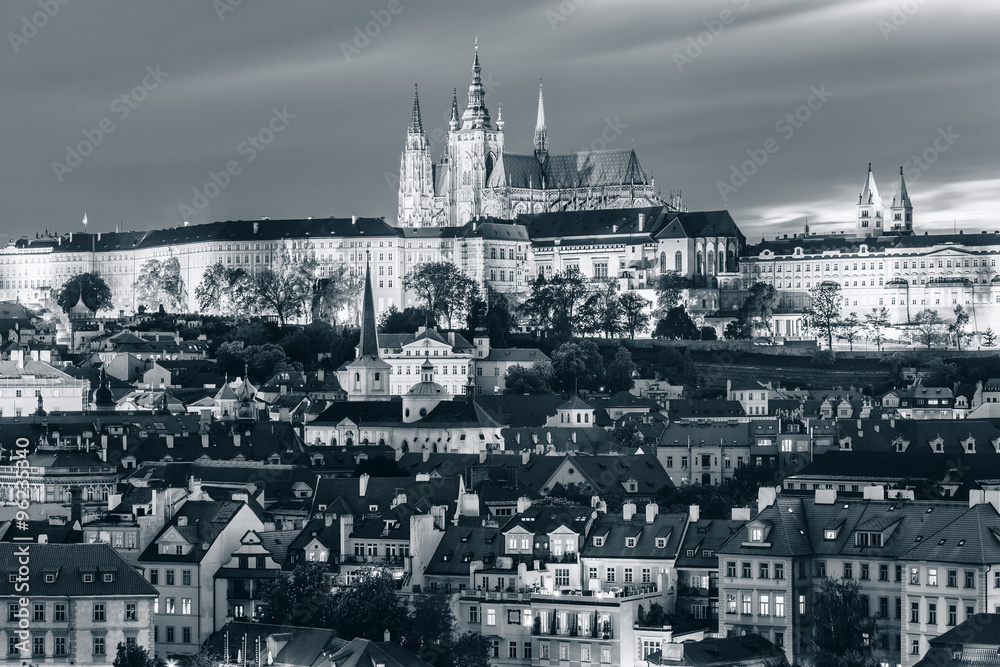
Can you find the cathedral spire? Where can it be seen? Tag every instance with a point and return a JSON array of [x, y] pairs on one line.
[[416, 123], [541, 132], [902, 197], [477, 116], [453, 124], [368, 347]]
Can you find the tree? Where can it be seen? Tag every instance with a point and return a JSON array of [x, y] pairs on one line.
[[553, 304], [619, 372], [928, 325], [538, 379], [602, 311], [709, 333], [471, 650], [957, 328], [758, 307], [160, 284], [226, 290], [300, 598], [849, 328], [408, 320], [635, 315], [737, 330], [89, 288], [287, 285], [989, 338], [876, 322], [823, 314], [941, 374], [443, 288], [843, 631], [433, 621], [333, 294], [628, 434], [669, 289], [370, 607], [578, 365], [133, 655], [677, 325], [500, 319]]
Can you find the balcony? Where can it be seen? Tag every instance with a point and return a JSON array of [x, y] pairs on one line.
[[374, 560]]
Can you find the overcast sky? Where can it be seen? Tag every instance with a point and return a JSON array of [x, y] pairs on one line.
[[895, 76]]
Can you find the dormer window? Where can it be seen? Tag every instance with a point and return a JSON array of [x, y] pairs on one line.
[[756, 534], [50, 578], [661, 543], [599, 541], [108, 577], [88, 578], [829, 534], [630, 542]]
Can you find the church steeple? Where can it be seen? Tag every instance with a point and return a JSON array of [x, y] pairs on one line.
[[869, 208], [477, 116], [416, 123], [453, 124], [541, 132], [368, 347], [902, 209]]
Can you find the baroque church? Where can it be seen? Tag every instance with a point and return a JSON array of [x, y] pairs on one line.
[[476, 176]]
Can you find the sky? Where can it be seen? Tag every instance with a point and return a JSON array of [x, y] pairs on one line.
[[148, 114]]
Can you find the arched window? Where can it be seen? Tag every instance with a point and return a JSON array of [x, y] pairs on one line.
[[467, 178], [722, 261], [678, 262], [711, 262], [699, 263], [663, 262]]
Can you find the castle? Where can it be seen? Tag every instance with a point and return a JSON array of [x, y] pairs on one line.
[[477, 177]]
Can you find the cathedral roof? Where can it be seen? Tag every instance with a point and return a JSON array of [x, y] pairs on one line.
[[699, 224], [594, 169], [593, 223], [516, 171]]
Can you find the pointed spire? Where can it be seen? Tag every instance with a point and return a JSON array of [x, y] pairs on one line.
[[477, 115], [416, 123], [869, 194], [902, 197], [541, 132], [453, 124], [369, 336]]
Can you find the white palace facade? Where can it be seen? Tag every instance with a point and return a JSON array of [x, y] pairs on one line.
[[885, 263]]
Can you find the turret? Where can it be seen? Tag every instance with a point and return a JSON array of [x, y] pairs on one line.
[[902, 209], [869, 208], [541, 132]]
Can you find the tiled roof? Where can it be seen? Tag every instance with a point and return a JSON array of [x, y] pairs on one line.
[[69, 562], [462, 544], [615, 529], [973, 537]]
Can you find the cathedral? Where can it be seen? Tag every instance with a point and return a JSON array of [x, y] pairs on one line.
[[477, 177]]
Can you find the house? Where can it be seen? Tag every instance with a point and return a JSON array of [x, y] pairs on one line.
[[974, 641], [84, 600]]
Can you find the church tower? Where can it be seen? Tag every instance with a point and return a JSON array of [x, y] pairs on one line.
[[474, 148], [902, 209], [869, 208], [366, 378], [541, 132], [416, 176]]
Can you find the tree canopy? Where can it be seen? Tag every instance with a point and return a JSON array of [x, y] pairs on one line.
[[823, 313], [843, 630], [160, 284], [442, 288], [89, 288]]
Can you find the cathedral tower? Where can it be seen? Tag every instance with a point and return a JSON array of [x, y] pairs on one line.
[[902, 209], [416, 176], [474, 149], [869, 208], [541, 132]]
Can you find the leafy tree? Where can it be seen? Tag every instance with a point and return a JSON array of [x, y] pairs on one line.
[[989, 338], [300, 598], [737, 330], [669, 289], [823, 314], [538, 379], [370, 607], [876, 322], [333, 294], [677, 325], [849, 328], [602, 310], [227, 290], [471, 650], [843, 631], [554, 304], [709, 333], [941, 374], [409, 320], [823, 358], [287, 285], [443, 288], [89, 288], [758, 307], [578, 365], [500, 319], [433, 622], [619, 372], [956, 329], [262, 361], [133, 655], [628, 434], [306, 344], [929, 326], [161, 284], [634, 313]]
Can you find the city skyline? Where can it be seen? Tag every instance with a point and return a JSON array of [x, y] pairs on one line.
[[196, 91]]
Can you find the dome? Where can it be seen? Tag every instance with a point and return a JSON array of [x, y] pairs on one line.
[[102, 395], [426, 389]]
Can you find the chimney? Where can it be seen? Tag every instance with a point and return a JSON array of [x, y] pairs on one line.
[[256, 227], [741, 514], [525, 454], [327, 520], [874, 492], [170, 440], [642, 222], [182, 521], [363, 484], [482, 457], [548, 437], [204, 440], [354, 219], [385, 635], [652, 509], [523, 503], [425, 455], [321, 375], [237, 439], [573, 436], [628, 510], [694, 513]]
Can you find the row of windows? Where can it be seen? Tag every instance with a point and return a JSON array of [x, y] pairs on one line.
[[768, 604], [38, 612], [170, 606], [59, 645], [171, 635], [169, 578]]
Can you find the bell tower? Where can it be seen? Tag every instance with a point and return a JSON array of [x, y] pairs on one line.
[[416, 177], [869, 208]]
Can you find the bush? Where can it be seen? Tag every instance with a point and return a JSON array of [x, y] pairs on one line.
[[823, 359]]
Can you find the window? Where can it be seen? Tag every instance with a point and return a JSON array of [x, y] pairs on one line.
[[130, 614], [779, 570], [60, 611], [39, 613], [610, 575], [848, 570], [171, 606], [491, 617], [627, 579], [564, 651], [98, 611], [473, 614], [899, 608], [99, 646], [38, 645], [545, 651], [170, 577], [952, 614], [562, 576], [765, 607], [186, 635], [186, 606], [899, 573], [60, 646], [731, 569], [914, 612], [747, 606], [932, 613], [186, 577], [915, 575], [883, 572], [779, 605], [170, 634], [154, 577], [821, 568], [883, 607], [764, 571], [864, 572], [932, 576], [970, 579], [527, 650], [747, 571], [606, 655], [952, 578], [585, 653]]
